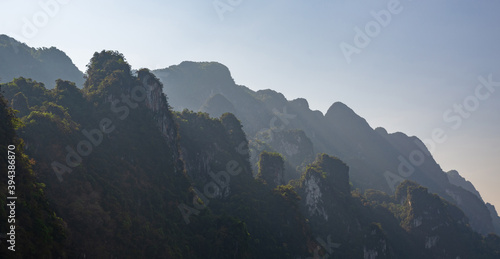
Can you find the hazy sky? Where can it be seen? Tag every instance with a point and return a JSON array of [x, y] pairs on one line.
[[404, 74]]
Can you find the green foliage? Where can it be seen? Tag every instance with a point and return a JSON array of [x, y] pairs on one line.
[[39, 232], [271, 169], [288, 193], [250, 201], [34, 92], [378, 196], [122, 200], [20, 103], [106, 74]]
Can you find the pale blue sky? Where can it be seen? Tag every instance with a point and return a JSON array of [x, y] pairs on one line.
[[426, 59]]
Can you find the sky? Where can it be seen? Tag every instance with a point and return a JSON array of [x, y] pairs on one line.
[[409, 66]]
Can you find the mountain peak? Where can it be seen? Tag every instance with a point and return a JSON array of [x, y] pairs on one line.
[[301, 102], [339, 107], [339, 112], [211, 68], [382, 131], [4, 37]]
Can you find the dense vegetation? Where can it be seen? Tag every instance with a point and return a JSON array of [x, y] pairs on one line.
[[39, 232], [44, 65], [377, 160], [112, 171]]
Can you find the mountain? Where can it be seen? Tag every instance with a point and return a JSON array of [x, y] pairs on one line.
[[172, 193], [127, 176], [378, 160], [456, 179], [494, 216], [45, 65]]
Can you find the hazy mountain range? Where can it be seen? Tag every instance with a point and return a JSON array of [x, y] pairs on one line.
[[182, 162], [44, 65], [370, 153]]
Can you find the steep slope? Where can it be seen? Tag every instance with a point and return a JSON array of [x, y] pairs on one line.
[[44, 65], [437, 226], [494, 216], [192, 84], [413, 223], [216, 154], [456, 179], [377, 160], [427, 172], [101, 178], [294, 146]]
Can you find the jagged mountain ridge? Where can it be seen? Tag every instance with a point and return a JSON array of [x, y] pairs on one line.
[[139, 196], [272, 217], [340, 132]]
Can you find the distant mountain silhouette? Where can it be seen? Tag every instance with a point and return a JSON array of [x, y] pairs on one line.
[[44, 65], [456, 179], [217, 105]]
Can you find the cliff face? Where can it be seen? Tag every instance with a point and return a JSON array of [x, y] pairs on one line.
[[332, 212], [426, 171], [314, 194], [156, 102], [213, 148], [295, 147], [411, 224], [215, 151], [439, 228], [377, 160], [325, 187]]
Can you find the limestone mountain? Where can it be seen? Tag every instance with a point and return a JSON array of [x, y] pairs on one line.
[[128, 176], [125, 172], [377, 160], [45, 65]]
